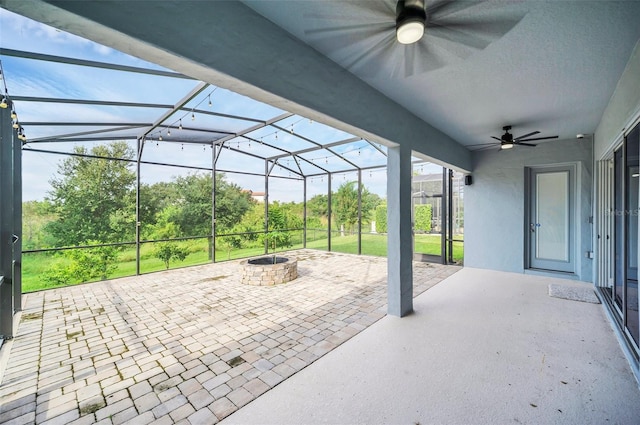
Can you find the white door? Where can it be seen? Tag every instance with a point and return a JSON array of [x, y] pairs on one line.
[[550, 228]]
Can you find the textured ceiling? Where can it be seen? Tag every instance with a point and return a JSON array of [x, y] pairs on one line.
[[554, 71]]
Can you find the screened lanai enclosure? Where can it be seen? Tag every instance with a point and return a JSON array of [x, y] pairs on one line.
[[112, 166]]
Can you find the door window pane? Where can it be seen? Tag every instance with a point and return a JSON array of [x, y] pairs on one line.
[[552, 216], [631, 217]]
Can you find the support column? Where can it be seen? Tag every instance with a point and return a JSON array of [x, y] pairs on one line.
[[329, 212], [266, 205], [17, 224], [443, 219], [140, 147], [399, 232], [304, 212], [7, 199], [359, 212], [214, 160]]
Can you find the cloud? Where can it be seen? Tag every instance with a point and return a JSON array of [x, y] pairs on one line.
[[28, 77]]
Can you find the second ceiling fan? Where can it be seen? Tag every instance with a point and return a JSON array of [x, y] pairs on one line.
[[507, 141]]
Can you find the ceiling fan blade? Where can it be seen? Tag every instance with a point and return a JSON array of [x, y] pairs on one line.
[[442, 8], [450, 34], [525, 136], [363, 10], [491, 27], [388, 7], [383, 49], [409, 60], [499, 140], [538, 138], [525, 144], [366, 27], [426, 51], [481, 144]]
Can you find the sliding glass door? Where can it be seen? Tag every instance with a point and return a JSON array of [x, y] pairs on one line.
[[632, 175], [626, 189]]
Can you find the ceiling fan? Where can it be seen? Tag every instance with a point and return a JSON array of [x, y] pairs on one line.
[[377, 37], [507, 141]]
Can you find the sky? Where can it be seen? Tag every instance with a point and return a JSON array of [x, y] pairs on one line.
[[26, 77]]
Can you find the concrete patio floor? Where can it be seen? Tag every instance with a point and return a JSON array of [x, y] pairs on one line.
[[187, 346], [482, 347]]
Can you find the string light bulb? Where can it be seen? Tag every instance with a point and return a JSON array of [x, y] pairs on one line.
[[15, 124], [160, 138], [4, 104], [14, 116], [169, 132], [210, 99], [193, 116], [180, 126]]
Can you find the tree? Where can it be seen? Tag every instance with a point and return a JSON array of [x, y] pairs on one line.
[[166, 251], [317, 206], [93, 197], [381, 218], [193, 214], [277, 235], [345, 204]]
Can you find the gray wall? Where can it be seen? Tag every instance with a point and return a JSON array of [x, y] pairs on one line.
[[495, 204], [623, 106]]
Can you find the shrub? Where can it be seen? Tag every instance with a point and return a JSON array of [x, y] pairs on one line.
[[422, 218], [168, 251], [381, 218]]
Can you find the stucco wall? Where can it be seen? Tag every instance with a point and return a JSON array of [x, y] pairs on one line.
[[623, 106], [495, 204]]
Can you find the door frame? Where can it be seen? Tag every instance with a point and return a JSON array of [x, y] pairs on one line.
[[574, 210]]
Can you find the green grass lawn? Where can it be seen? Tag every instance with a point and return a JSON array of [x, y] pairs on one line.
[[35, 265]]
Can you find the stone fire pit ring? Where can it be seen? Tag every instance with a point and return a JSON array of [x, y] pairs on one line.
[[263, 271]]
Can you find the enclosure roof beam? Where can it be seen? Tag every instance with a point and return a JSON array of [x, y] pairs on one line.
[[89, 63], [376, 147], [320, 147], [61, 137], [221, 115], [297, 135], [257, 127], [90, 102], [174, 108], [81, 124]]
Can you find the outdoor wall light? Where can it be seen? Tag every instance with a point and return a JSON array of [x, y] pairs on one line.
[[410, 19]]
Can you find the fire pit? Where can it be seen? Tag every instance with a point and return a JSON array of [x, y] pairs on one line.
[[267, 271]]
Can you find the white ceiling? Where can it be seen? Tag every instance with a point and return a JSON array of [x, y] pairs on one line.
[[554, 71]]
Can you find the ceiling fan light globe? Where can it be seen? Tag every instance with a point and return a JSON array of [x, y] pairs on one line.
[[506, 146], [410, 31]]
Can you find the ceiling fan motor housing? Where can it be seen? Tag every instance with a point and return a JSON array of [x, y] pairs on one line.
[[408, 11]]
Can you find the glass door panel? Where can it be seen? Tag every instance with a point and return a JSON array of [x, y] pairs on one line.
[[552, 216], [631, 220], [618, 179]]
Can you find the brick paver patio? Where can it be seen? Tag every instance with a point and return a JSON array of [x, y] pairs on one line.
[[185, 346]]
